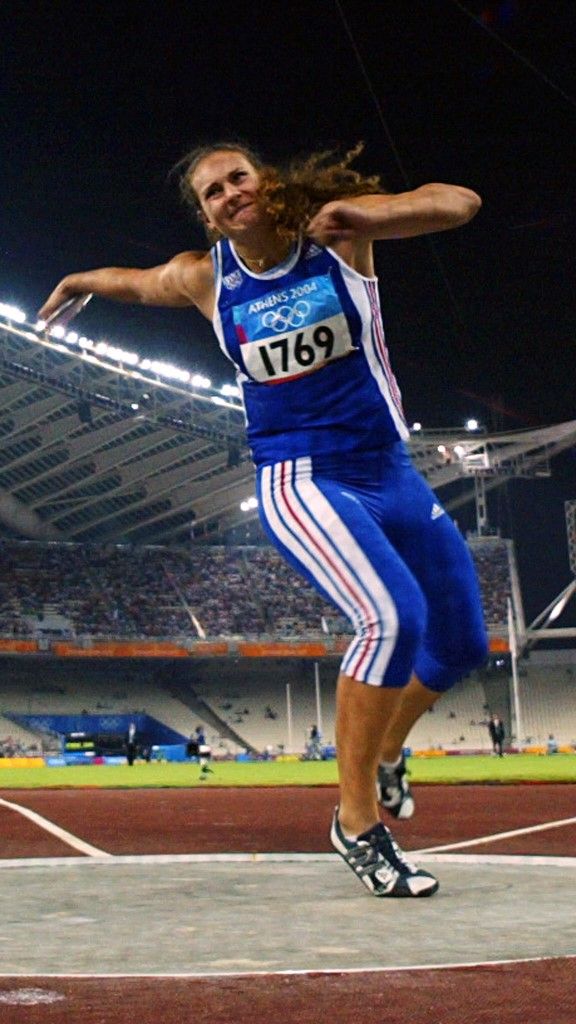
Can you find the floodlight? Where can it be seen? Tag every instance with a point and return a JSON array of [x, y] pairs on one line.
[[12, 313]]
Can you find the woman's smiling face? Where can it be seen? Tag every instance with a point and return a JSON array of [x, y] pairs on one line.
[[226, 184]]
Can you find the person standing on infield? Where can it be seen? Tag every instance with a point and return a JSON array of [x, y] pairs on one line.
[[289, 287], [497, 734]]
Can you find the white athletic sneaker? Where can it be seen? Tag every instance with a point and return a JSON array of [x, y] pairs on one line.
[[379, 863]]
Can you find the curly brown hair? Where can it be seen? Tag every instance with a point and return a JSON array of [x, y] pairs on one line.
[[290, 195]]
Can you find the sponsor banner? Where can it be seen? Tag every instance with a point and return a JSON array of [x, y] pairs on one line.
[[120, 649], [282, 650], [21, 762], [498, 644], [18, 646], [202, 649]]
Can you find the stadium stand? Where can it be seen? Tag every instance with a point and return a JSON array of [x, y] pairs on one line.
[[16, 741], [494, 561], [257, 708], [548, 704], [249, 703], [99, 691], [456, 722], [67, 590], [73, 590]]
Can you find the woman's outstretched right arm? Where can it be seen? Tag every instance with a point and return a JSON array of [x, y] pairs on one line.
[[186, 280]]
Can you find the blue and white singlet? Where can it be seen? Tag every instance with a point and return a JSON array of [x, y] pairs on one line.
[[308, 344], [337, 493]]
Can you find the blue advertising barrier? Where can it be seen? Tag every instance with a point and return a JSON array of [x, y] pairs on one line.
[[169, 752], [149, 729]]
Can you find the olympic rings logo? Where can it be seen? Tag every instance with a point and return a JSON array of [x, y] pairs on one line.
[[281, 319]]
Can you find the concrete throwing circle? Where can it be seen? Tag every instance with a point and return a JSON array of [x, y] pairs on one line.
[[208, 916]]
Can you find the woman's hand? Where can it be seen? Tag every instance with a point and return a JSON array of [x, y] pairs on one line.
[[341, 220], [66, 289]]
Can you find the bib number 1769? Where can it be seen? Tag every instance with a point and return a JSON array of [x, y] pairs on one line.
[[295, 352]]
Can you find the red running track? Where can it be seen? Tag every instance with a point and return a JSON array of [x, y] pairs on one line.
[[266, 819]]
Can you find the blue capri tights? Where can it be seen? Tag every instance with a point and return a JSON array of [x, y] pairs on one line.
[[366, 530]]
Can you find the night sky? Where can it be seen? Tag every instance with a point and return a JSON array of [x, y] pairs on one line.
[[99, 101]]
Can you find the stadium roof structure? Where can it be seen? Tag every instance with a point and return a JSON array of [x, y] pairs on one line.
[[100, 445]]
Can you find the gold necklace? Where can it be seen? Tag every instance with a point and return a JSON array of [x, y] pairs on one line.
[[259, 261]]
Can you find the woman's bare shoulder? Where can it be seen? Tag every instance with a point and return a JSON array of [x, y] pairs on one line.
[[192, 274]]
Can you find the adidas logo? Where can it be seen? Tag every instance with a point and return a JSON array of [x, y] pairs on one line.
[[437, 511]]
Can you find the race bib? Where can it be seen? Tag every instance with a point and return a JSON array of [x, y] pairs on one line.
[[292, 331]]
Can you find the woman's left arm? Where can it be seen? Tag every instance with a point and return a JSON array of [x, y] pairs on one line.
[[430, 208], [350, 226]]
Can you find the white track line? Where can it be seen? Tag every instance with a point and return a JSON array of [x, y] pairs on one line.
[[501, 859], [495, 837], [55, 830], [425, 853], [404, 968], [512, 860]]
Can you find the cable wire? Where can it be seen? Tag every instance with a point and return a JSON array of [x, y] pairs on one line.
[[456, 308], [373, 95]]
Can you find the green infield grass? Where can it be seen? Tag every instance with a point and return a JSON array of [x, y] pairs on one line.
[[454, 770]]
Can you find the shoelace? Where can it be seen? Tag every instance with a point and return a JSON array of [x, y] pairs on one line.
[[406, 866], [368, 859]]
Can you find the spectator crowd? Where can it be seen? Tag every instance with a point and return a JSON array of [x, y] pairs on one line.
[[73, 590]]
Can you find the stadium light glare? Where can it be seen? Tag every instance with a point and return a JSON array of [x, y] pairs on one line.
[[167, 370], [12, 313], [249, 504], [472, 425], [459, 450], [120, 355], [416, 427], [128, 358]]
